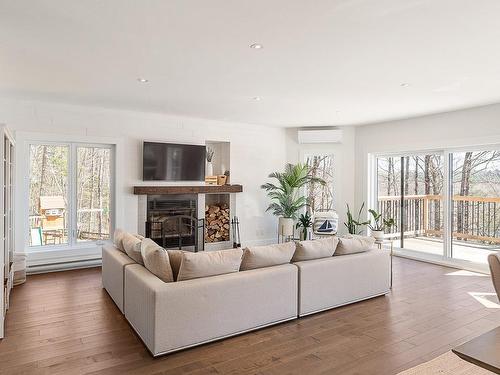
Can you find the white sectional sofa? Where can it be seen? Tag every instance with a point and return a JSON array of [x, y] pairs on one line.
[[170, 316]]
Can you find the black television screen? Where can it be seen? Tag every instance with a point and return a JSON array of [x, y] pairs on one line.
[[173, 162]]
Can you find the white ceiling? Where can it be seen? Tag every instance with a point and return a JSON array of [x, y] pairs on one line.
[[324, 62]]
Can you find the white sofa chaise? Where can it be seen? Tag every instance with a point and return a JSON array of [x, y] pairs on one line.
[[174, 316], [339, 280]]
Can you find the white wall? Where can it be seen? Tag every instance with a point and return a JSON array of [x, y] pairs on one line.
[[472, 127], [255, 151], [344, 163]]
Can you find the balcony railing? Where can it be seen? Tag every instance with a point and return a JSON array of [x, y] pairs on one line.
[[474, 218]]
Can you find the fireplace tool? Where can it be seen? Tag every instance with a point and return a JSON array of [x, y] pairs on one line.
[[235, 224]]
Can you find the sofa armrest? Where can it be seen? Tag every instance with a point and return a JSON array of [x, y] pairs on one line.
[[113, 264]]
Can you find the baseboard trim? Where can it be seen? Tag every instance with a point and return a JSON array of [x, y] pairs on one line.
[[64, 266]]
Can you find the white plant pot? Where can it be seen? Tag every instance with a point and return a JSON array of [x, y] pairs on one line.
[[210, 169], [379, 235], [285, 226]]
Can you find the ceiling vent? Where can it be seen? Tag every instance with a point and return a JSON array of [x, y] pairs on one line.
[[320, 136]]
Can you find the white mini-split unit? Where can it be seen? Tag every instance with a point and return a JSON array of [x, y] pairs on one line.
[[320, 136]]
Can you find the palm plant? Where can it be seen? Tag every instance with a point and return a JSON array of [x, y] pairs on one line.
[[287, 200], [352, 223]]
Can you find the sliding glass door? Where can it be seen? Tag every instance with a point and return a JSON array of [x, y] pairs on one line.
[[445, 204], [476, 205], [410, 191]]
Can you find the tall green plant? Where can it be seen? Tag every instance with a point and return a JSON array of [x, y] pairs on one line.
[[285, 194], [352, 223]]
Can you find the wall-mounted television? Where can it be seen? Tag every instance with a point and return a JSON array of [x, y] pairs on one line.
[[173, 162]]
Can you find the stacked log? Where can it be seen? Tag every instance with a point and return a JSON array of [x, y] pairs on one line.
[[217, 222]]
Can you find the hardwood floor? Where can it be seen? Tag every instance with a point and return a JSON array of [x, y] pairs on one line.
[[64, 323]]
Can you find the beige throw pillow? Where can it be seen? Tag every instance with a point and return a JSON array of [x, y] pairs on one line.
[[316, 249], [156, 260], [118, 239], [175, 258], [132, 246], [267, 256], [354, 244], [209, 263]]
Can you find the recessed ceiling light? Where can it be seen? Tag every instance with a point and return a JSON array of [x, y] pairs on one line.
[[405, 84], [143, 80], [256, 46], [256, 98]]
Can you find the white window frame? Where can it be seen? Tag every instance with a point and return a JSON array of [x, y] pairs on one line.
[[447, 152], [312, 152], [73, 250]]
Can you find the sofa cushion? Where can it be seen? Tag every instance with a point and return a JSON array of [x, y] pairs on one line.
[[132, 246], [209, 263], [175, 258], [321, 248], [156, 260], [267, 256], [118, 238], [353, 244]]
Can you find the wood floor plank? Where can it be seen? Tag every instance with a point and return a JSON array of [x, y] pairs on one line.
[[65, 323]]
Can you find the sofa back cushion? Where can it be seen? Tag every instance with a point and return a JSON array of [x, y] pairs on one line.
[[156, 260], [353, 244], [267, 256], [321, 248], [118, 239], [209, 263], [175, 258], [132, 246]]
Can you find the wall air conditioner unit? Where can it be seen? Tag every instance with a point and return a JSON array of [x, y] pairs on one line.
[[320, 136]]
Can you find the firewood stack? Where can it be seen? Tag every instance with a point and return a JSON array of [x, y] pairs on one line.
[[217, 222]]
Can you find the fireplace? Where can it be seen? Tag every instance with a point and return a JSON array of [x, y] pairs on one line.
[[172, 221]]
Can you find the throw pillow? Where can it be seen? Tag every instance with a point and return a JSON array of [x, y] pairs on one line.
[[118, 238], [175, 257], [132, 246], [321, 248], [156, 260], [267, 256], [209, 263], [354, 244]]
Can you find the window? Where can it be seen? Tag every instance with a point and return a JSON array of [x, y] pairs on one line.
[[70, 197], [445, 204], [320, 196]]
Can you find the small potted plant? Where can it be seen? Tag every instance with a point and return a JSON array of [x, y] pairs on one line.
[[305, 222], [352, 224], [378, 225]]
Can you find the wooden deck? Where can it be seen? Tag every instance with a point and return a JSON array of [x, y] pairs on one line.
[[65, 323]]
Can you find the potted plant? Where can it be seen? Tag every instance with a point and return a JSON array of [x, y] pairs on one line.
[[286, 195], [378, 225], [305, 222], [352, 223]]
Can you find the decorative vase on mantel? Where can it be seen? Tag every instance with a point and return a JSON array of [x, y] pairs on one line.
[[210, 169]]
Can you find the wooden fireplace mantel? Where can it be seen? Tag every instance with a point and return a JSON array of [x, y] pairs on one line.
[[200, 189]]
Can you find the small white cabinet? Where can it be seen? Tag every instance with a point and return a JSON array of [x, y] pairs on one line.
[[6, 221]]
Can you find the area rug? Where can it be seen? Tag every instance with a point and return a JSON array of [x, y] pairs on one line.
[[446, 364]]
